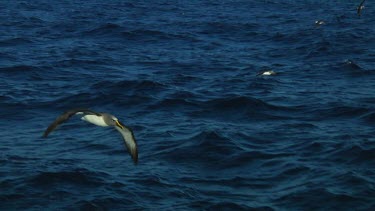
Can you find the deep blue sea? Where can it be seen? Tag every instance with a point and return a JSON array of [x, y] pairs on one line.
[[211, 133]]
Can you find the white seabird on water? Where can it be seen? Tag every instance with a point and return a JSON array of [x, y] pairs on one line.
[[319, 22], [100, 119], [360, 8], [267, 72]]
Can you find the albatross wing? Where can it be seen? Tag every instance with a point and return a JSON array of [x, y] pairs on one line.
[[360, 7], [65, 116], [130, 142]]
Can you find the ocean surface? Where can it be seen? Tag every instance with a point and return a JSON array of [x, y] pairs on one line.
[[211, 133]]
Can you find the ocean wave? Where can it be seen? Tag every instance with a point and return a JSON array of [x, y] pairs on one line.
[[184, 79], [80, 177], [11, 197], [354, 154], [104, 29], [369, 117], [78, 62], [185, 95], [157, 36], [337, 111], [208, 147], [135, 85], [300, 126], [300, 39], [216, 28], [311, 199], [11, 106], [318, 49], [183, 104], [14, 42], [100, 98], [246, 158], [89, 147], [104, 203], [97, 205], [238, 103], [241, 108], [235, 206], [20, 68]]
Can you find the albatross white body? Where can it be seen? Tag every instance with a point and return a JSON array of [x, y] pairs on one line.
[[96, 120]]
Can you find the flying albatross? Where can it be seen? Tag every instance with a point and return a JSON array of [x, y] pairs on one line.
[[100, 119], [360, 8]]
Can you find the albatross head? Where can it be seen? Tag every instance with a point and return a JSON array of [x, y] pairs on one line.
[[111, 120]]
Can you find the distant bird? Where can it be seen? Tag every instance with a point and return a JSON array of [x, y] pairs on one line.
[[360, 8], [100, 119], [352, 64], [319, 22], [267, 72]]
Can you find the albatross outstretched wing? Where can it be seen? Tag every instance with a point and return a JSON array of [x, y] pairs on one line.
[[130, 142], [65, 116]]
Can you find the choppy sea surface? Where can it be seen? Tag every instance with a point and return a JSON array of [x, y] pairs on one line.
[[212, 135]]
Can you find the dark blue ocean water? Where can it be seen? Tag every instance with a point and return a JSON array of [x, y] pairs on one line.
[[212, 135]]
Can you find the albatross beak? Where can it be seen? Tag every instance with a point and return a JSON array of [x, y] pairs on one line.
[[119, 124]]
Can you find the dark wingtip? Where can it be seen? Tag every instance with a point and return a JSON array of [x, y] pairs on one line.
[[45, 134], [135, 158]]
